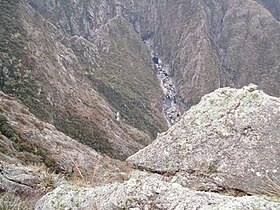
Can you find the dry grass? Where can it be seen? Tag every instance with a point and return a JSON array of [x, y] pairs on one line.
[[50, 181], [273, 187], [10, 201]]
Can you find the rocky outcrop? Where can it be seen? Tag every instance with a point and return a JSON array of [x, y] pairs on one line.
[[19, 179], [146, 191], [230, 140], [22, 186], [25, 139], [228, 143]]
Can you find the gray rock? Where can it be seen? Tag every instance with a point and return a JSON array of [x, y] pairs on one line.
[[146, 191], [230, 140], [19, 178]]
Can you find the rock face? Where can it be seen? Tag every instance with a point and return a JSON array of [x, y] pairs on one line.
[[27, 140], [213, 43], [230, 140], [145, 191], [19, 179]]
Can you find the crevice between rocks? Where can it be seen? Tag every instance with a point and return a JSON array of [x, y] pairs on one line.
[[223, 190]]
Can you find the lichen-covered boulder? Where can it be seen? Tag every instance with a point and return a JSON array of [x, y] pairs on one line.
[[230, 140], [146, 191]]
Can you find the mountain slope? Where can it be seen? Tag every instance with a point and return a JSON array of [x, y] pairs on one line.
[[26, 140], [85, 66], [80, 82], [213, 43]]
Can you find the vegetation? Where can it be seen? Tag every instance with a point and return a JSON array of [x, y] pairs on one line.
[[273, 189], [117, 78], [132, 110], [14, 63], [12, 39], [10, 201], [22, 145], [49, 181], [86, 132]]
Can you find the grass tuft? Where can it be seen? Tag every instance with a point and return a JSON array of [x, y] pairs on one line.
[[10, 201]]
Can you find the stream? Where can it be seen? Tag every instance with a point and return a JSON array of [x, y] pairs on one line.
[[170, 105]]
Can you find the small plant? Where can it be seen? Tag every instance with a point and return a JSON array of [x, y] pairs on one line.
[[10, 201], [210, 166], [273, 187], [49, 181]]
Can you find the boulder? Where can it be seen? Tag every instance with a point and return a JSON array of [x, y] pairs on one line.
[[229, 141], [19, 178]]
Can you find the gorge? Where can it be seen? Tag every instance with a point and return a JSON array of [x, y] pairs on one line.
[[143, 100], [84, 61]]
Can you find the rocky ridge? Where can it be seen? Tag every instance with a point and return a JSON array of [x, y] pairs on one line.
[[146, 191], [230, 140]]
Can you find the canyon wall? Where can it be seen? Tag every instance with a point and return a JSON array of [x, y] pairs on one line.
[[85, 66]]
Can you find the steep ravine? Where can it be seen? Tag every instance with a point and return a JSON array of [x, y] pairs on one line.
[[212, 43]]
